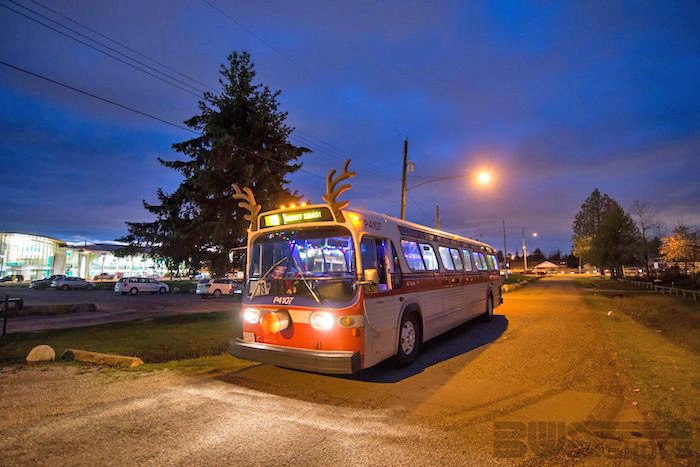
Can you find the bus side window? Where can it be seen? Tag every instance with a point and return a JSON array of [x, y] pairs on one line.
[[467, 260], [396, 276]]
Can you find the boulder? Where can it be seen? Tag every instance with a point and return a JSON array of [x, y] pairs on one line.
[[41, 353]]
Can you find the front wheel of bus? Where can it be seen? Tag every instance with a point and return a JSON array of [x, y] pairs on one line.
[[409, 340]]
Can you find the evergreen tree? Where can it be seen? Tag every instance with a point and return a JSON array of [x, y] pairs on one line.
[[616, 239], [243, 139], [555, 256], [586, 224], [537, 255]]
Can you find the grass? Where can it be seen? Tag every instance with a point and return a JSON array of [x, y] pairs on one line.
[[155, 341], [514, 278], [656, 340], [598, 282]]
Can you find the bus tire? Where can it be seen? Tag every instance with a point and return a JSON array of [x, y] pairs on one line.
[[409, 339], [488, 313]]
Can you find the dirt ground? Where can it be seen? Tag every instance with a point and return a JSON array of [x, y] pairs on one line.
[[111, 307], [541, 383]]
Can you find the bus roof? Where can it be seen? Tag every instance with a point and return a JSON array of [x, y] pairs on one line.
[[419, 227]]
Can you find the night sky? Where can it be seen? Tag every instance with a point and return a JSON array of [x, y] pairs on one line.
[[555, 98]]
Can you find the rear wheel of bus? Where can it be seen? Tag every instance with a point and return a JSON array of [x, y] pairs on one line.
[[409, 339], [488, 313]]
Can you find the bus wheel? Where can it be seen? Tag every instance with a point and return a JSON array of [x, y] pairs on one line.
[[488, 314], [409, 339]]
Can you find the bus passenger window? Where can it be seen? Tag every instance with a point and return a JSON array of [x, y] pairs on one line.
[[456, 259], [446, 258], [412, 255], [467, 260], [477, 261], [429, 258], [489, 262], [495, 263], [481, 262]]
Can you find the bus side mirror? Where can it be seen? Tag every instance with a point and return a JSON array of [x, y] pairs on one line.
[[371, 276]]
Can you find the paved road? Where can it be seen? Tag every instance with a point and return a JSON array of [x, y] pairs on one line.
[[542, 359], [111, 307]]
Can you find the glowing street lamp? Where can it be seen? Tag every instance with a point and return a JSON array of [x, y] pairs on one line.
[[483, 177]]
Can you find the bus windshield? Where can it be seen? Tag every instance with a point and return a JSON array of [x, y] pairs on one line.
[[318, 262]]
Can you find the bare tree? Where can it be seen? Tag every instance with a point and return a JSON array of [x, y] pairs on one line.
[[644, 215]]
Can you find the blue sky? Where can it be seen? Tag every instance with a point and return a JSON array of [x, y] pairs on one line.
[[557, 99]]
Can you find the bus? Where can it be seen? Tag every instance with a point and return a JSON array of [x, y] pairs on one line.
[[336, 290]]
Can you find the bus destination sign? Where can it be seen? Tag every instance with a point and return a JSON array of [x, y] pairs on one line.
[[297, 217]]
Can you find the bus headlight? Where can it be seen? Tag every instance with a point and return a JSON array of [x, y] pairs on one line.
[[251, 315], [321, 320]]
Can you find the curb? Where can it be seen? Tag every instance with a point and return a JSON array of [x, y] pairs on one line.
[[101, 358]]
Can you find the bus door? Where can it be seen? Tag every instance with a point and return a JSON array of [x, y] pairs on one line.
[[381, 276]]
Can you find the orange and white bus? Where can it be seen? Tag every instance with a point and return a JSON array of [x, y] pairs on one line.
[[336, 290]]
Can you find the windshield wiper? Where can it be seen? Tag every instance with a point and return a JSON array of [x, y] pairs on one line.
[[257, 284], [303, 279]]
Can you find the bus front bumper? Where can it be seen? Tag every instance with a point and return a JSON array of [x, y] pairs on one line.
[[320, 361]]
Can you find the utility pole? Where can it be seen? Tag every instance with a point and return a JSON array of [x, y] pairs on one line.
[[403, 179], [505, 249], [524, 253], [437, 216]]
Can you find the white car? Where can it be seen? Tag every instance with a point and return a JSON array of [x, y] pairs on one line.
[[218, 287], [136, 285], [68, 283]]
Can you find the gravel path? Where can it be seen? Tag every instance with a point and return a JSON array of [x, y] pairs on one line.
[[543, 359]]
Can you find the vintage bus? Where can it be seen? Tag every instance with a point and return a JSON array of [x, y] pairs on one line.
[[336, 290]]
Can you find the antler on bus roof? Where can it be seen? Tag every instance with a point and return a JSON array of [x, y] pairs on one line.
[[333, 190], [248, 203]]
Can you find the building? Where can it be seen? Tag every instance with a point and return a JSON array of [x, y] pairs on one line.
[[36, 256]]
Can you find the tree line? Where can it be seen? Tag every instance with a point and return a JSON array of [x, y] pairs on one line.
[[607, 236]]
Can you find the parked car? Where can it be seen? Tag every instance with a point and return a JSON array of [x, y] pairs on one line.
[[68, 283], [136, 285], [13, 278], [103, 277], [44, 283], [218, 287]]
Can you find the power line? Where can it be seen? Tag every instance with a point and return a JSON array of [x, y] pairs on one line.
[[97, 49], [342, 154], [131, 49], [130, 109], [288, 58], [318, 144], [95, 96], [341, 157]]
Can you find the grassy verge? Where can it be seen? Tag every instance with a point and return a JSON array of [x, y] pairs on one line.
[[514, 278], [155, 341], [597, 282], [663, 367]]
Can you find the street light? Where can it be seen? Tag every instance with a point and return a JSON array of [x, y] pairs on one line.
[[483, 177]]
